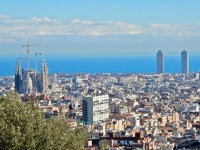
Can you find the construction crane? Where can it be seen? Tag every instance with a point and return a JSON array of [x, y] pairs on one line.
[[28, 51], [36, 61]]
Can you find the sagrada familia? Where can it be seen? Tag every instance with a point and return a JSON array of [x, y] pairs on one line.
[[29, 81]]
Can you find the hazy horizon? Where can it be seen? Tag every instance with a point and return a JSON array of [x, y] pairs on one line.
[[98, 63]]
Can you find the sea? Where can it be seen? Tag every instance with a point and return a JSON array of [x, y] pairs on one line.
[[97, 63]]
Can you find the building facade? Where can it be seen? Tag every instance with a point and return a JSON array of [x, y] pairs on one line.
[[160, 62], [95, 108], [54, 79], [184, 62]]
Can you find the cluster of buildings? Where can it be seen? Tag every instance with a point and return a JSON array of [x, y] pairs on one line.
[[184, 62], [126, 111]]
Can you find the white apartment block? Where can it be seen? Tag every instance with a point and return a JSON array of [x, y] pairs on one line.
[[95, 108]]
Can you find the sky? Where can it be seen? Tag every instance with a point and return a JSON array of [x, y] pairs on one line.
[[101, 26]]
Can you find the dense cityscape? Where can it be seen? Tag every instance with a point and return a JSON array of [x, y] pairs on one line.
[[130, 111], [99, 75]]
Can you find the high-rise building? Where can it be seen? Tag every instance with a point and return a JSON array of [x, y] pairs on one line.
[[95, 108], [184, 62], [160, 62]]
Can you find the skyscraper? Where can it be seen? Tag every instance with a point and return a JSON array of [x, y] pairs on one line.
[[184, 62], [160, 62]]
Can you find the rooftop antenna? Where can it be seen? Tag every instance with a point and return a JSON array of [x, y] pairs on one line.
[[28, 51]]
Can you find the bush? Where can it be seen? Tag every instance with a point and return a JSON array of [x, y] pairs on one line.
[[24, 127]]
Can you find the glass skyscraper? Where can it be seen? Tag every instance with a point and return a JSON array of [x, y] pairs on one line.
[[184, 62]]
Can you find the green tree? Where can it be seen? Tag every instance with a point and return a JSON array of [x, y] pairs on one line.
[[103, 145], [23, 127]]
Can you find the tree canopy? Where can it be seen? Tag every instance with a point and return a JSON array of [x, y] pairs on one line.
[[23, 126], [103, 145]]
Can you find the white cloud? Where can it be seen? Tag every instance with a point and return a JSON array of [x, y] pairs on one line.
[[75, 21], [13, 29], [27, 28], [174, 30]]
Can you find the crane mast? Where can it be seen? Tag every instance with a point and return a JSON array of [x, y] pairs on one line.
[[28, 52]]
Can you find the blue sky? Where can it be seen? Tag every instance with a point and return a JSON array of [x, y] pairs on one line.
[[134, 26]]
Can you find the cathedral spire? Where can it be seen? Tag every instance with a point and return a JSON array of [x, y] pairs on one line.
[[17, 76], [44, 78]]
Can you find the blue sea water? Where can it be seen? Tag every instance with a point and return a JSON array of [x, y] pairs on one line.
[[99, 63]]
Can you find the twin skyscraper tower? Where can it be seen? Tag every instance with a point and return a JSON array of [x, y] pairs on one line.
[[160, 62]]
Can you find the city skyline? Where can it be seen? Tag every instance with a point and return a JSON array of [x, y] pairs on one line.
[[100, 27], [110, 64]]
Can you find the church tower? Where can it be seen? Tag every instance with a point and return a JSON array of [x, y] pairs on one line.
[[17, 76], [44, 78]]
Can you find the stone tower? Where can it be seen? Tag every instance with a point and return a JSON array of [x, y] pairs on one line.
[[44, 78]]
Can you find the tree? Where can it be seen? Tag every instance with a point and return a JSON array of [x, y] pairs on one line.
[[103, 145], [23, 126]]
